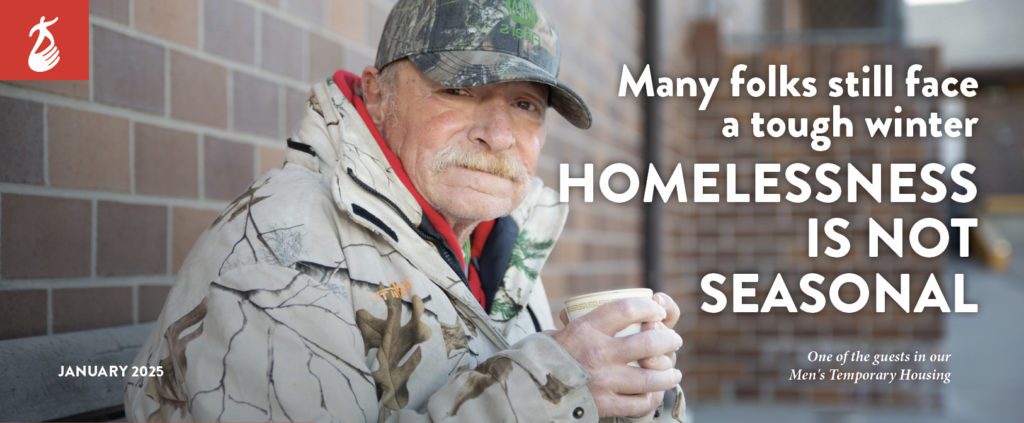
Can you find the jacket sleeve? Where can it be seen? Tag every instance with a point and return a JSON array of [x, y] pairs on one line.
[[673, 407], [534, 380], [274, 343]]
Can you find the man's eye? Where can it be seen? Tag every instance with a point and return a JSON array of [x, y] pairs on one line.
[[526, 105], [456, 91]]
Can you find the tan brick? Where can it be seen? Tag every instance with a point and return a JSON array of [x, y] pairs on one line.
[[256, 105], [116, 10], [21, 151], [176, 20], [229, 28], [88, 150], [151, 301], [348, 19], [198, 90], [187, 225], [325, 57], [228, 167], [131, 239], [45, 237], [270, 158], [166, 162], [281, 47], [76, 309], [24, 313], [127, 72]]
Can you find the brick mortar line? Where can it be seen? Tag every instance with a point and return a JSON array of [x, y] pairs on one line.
[[201, 23], [46, 144], [257, 42], [135, 304], [201, 167], [230, 89], [1, 232], [257, 158], [92, 66], [85, 282], [206, 56], [93, 235], [169, 264], [67, 193], [22, 93], [282, 131], [131, 157], [49, 310], [167, 82], [307, 54], [323, 30]]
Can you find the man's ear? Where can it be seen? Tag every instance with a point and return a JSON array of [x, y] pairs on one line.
[[372, 96]]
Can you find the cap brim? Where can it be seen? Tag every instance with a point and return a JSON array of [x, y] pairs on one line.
[[473, 68]]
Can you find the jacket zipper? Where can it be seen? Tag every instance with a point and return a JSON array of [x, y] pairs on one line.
[[439, 244], [449, 258]]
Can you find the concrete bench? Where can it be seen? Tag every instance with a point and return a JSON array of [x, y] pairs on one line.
[[31, 390]]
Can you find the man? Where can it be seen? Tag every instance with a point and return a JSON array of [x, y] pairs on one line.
[[389, 271]]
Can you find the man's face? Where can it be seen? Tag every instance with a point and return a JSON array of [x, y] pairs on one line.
[[469, 151]]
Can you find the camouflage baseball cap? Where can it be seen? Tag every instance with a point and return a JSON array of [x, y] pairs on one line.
[[466, 43]]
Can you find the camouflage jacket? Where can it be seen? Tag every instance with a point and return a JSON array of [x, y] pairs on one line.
[[318, 295]]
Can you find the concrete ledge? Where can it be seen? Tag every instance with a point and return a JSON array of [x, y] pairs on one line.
[[30, 389]]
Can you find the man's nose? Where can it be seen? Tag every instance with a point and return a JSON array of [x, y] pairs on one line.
[[493, 125]]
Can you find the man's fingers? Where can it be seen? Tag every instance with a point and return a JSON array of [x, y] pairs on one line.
[[634, 380], [661, 362], [612, 317], [671, 309], [646, 344], [628, 405], [564, 317]]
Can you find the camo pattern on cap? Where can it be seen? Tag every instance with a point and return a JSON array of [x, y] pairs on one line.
[[466, 43]]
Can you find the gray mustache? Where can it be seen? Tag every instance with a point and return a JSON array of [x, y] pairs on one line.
[[503, 166]]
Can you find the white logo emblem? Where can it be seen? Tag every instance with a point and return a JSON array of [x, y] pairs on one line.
[[42, 61]]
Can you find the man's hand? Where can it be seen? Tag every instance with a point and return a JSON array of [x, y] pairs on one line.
[[666, 361], [619, 389]]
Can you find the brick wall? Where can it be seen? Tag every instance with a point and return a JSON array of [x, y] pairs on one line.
[[106, 183], [746, 358]]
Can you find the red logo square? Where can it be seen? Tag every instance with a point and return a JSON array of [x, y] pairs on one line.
[[44, 39]]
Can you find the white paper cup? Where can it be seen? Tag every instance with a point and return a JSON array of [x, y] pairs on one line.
[[580, 305]]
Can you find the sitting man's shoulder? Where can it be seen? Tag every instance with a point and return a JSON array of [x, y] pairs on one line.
[[286, 216]]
